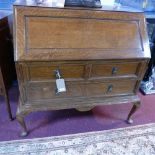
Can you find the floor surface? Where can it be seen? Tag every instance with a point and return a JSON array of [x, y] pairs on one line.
[[62, 122]]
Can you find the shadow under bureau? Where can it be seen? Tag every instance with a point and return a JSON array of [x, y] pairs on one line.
[[101, 55]]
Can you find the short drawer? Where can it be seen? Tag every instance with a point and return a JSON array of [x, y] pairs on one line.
[[46, 90], [46, 71], [115, 69]]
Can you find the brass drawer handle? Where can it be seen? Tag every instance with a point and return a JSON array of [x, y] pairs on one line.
[[110, 88], [114, 70]]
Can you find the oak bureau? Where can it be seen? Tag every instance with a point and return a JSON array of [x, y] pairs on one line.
[[101, 55]]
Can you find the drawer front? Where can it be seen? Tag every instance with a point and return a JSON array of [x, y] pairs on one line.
[[46, 90], [115, 69], [83, 70], [112, 88], [46, 71]]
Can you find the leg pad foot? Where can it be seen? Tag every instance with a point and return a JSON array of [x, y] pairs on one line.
[[23, 134], [129, 121], [12, 118], [84, 109]]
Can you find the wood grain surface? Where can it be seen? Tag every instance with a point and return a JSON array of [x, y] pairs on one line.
[[67, 34]]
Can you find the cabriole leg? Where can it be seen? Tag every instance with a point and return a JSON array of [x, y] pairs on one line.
[[21, 121], [20, 118], [133, 110]]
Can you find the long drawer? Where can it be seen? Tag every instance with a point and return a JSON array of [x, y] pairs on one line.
[[37, 91], [41, 71]]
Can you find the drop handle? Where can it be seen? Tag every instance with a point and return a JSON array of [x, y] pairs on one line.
[[114, 70], [110, 88], [57, 74]]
